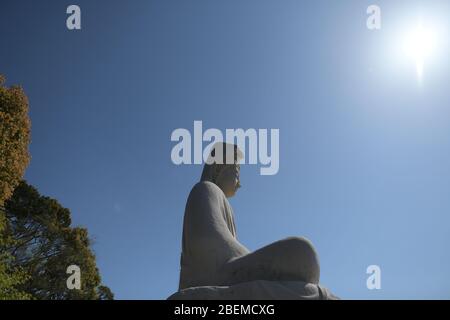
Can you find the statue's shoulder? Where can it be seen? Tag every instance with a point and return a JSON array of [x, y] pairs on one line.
[[205, 188]]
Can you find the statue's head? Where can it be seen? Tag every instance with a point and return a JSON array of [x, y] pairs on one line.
[[222, 167]]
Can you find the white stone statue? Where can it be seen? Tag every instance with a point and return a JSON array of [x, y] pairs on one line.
[[214, 265]]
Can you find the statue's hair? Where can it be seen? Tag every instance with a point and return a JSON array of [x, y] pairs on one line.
[[212, 169]]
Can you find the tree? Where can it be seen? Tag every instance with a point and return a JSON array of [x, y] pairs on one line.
[[105, 293], [14, 158], [14, 138], [37, 243], [10, 279], [45, 245]]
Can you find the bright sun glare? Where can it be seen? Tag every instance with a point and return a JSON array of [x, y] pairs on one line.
[[419, 45]]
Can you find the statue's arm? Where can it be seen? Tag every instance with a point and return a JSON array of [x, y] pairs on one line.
[[207, 230]]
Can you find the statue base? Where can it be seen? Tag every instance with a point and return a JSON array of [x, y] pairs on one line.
[[257, 290]]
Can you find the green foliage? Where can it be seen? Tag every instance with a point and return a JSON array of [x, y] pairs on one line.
[[14, 158], [37, 243], [45, 245], [14, 138], [10, 279], [105, 293]]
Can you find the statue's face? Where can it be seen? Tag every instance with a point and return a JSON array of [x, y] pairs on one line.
[[228, 179]]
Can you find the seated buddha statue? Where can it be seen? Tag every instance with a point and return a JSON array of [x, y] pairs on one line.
[[212, 256]]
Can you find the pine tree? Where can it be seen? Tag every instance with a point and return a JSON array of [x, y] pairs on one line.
[[45, 245]]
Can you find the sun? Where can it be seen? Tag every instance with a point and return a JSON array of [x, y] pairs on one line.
[[419, 46]]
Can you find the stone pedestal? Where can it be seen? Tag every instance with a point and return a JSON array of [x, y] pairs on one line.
[[257, 290]]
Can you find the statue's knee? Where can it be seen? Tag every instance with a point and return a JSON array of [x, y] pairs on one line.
[[305, 257], [300, 244]]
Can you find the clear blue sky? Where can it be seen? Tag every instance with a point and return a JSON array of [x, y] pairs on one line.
[[364, 148]]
